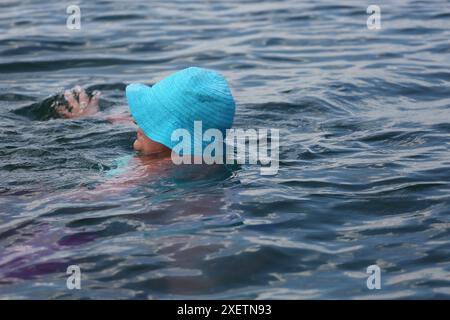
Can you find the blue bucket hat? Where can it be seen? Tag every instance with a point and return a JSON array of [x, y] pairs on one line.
[[192, 94]]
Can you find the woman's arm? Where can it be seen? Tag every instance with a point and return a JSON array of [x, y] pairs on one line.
[[119, 118], [80, 104]]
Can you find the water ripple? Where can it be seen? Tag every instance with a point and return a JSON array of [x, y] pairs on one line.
[[364, 153]]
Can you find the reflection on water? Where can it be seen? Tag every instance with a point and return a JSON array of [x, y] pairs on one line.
[[364, 156]]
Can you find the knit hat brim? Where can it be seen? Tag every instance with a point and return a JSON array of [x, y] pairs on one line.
[[154, 124]]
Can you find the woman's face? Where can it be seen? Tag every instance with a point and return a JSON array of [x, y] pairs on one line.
[[147, 146]]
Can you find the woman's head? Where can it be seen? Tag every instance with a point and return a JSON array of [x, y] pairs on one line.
[[177, 102], [147, 146]]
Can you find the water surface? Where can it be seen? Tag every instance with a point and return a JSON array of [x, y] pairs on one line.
[[364, 172]]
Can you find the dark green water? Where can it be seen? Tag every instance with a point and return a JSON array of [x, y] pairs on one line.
[[364, 172]]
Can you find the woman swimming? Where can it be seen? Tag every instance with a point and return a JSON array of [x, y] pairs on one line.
[[176, 102]]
